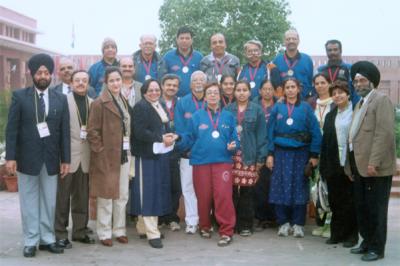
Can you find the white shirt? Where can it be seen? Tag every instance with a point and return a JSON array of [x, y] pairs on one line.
[[66, 89], [45, 98], [342, 125]]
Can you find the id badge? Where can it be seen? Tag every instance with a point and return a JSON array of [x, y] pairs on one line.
[[125, 144], [83, 133], [43, 130]]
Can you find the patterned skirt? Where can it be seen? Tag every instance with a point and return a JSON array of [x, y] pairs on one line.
[[243, 175], [289, 186]]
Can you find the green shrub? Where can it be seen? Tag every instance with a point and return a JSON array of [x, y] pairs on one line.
[[5, 100]]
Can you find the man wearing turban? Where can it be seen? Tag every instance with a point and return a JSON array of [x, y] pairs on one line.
[[37, 150], [372, 160]]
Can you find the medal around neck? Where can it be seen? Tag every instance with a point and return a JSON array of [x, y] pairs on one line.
[[289, 121], [239, 129], [290, 72], [147, 77], [215, 134], [185, 69], [252, 84]]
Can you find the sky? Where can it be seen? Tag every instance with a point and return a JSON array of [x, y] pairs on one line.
[[365, 27]]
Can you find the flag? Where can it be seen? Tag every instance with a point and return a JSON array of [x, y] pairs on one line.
[[73, 36]]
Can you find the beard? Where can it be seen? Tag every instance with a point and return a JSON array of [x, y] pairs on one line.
[[198, 89], [364, 90], [42, 84]]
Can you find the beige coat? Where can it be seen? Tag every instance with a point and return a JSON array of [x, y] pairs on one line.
[[374, 141], [80, 152], [105, 138]]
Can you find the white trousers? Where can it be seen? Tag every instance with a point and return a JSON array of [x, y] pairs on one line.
[[148, 225], [189, 196], [111, 214]]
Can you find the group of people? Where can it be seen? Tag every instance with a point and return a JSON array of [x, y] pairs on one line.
[[237, 143]]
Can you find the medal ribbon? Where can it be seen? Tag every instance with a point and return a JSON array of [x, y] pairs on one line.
[[265, 108], [289, 109], [220, 67], [333, 78], [197, 103], [321, 114], [224, 101], [214, 125], [253, 75], [240, 115], [290, 66], [171, 110], [185, 63], [147, 65]]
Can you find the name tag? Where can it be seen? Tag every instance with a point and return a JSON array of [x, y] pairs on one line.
[[43, 130], [83, 133], [125, 144]]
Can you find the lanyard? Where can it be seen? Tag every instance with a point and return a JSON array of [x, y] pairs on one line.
[[240, 115], [36, 109], [321, 114], [197, 103], [170, 110], [214, 125], [147, 66], [185, 63], [333, 78], [290, 66], [265, 108], [253, 74], [289, 109], [220, 67]]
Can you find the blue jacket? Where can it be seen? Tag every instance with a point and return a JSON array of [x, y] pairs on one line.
[[140, 70], [184, 110], [96, 73], [204, 148], [304, 121], [172, 64], [267, 111], [23, 143], [303, 71], [343, 73], [253, 138]]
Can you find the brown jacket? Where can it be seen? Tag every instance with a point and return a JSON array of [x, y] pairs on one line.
[[105, 139], [374, 141]]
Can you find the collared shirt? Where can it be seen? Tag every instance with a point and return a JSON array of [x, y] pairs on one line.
[[45, 98], [229, 64], [342, 125], [66, 89]]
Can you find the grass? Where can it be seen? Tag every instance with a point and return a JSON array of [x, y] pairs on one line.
[[5, 101]]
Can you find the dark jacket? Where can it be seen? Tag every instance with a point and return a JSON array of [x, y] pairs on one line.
[[329, 166], [23, 142], [253, 140], [146, 128]]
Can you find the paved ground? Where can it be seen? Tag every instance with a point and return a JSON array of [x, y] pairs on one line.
[[264, 248]]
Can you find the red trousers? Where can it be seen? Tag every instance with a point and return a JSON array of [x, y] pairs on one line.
[[213, 182]]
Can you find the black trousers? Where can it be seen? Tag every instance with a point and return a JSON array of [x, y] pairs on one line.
[[176, 190], [341, 201], [371, 200], [244, 206], [264, 211]]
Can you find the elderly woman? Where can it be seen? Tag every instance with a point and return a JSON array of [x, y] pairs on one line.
[[248, 160], [294, 140], [108, 134], [333, 158], [212, 139], [151, 187]]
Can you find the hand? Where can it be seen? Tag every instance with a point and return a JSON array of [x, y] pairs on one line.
[[270, 162], [231, 146], [168, 139], [350, 178], [11, 167], [64, 169], [371, 171], [314, 162]]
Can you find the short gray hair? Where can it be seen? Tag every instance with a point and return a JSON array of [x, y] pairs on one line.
[[198, 73], [255, 42]]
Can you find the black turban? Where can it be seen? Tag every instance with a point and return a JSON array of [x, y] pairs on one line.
[[38, 60], [368, 70]]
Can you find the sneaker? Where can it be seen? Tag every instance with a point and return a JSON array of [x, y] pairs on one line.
[[318, 231], [245, 232], [298, 231], [205, 233], [191, 229], [224, 241], [327, 231], [174, 226], [284, 230]]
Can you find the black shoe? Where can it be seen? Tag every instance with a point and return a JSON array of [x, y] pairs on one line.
[[85, 240], [64, 243], [88, 230], [331, 241], [29, 251], [156, 243], [52, 248], [350, 243], [143, 236], [359, 250], [371, 256]]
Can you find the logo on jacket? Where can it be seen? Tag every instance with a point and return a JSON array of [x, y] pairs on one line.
[[279, 116], [187, 115], [203, 126], [175, 68]]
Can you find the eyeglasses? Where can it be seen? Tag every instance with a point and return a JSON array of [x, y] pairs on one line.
[[255, 51], [212, 92]]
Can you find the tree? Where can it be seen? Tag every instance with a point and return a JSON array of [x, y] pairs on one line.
[[239, 21]]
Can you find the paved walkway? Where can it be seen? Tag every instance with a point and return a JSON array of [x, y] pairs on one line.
[[264, 248]]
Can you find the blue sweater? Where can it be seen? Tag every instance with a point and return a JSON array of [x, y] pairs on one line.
[[204, 148], [184, 109], [304, 120], [96, 73], [261, 74], [303, 71], [171, 63]]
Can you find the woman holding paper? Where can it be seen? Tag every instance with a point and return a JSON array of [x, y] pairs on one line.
[[151, 142]]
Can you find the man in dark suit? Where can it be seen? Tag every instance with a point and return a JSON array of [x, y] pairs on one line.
[[37, 150], [372, 159], [65, 69]]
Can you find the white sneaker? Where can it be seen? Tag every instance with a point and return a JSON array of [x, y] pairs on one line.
[[284, 230], [191, 229], [298, 231], [174, 226]]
